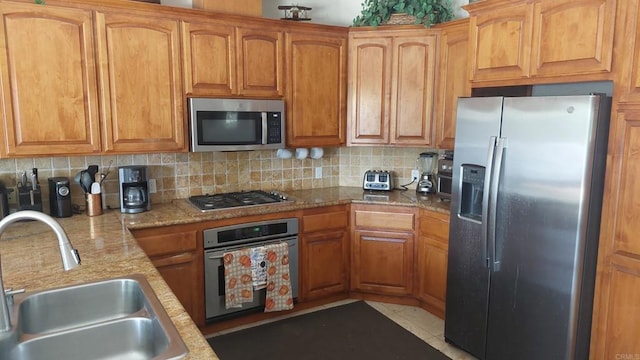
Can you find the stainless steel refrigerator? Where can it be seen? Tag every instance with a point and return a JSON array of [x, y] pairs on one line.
[[525, 214]]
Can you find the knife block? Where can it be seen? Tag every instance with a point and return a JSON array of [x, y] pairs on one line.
[[29, 199]]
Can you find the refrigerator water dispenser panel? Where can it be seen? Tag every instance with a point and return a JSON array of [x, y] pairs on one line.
[[471, 193]]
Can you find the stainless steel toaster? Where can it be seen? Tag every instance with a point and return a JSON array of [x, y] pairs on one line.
[[378, 180]]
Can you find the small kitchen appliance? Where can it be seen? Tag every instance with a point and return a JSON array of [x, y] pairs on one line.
[[378, 180], [134, 189], [427, 182], [236, 124], [444, 176], [59, 197]]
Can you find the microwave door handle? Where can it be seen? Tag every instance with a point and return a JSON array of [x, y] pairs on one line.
[[264, 127]]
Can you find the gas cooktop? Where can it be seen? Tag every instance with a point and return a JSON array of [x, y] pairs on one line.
[[236, 199]]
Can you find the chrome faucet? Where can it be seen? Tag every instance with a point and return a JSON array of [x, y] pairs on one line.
[[70, 256]]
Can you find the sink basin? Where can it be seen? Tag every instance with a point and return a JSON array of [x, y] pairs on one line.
[[116, 318], [80, 305]]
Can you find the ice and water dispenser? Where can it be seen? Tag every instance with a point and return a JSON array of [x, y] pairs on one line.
[[471, 193]]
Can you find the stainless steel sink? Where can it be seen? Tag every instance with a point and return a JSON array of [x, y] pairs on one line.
[[116, 318]]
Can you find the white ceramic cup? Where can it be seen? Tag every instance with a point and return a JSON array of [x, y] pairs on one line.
[[284, 154], [302, 153], [316, 152]]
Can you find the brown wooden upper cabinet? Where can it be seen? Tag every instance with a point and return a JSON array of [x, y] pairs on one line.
[[453, 79], [391, 86], [140, 78], [260, 62], [48, 76], [223, 59], [316, 69], [513, 40], [209, 54]]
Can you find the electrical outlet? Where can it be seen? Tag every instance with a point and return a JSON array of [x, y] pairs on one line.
[[415, 174], [12, 196], [152, 186], [319, 172]]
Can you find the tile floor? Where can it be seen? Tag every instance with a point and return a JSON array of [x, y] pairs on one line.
[[421, 323]]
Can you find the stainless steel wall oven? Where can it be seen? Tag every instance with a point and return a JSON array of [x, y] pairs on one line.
[[218, 241]]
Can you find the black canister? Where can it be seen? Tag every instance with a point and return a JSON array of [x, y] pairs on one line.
[[59, 197]]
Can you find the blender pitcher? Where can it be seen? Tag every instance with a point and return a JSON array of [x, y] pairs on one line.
[[425, 164]]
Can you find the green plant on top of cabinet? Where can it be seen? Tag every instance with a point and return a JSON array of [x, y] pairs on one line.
[[48, 76], [316, 69], [391, 89]]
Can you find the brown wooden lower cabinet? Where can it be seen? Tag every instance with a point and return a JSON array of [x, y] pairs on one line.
[[177, 253], [325, 252], [431, 266], [383, 249]]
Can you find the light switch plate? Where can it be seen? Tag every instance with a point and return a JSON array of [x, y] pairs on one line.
[[319, 172]]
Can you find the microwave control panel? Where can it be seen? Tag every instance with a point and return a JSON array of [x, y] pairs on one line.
[[274, 128]]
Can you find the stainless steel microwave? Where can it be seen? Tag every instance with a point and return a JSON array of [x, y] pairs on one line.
[[236, 124]]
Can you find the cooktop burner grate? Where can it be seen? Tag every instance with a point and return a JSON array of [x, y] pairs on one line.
[[236, 199]]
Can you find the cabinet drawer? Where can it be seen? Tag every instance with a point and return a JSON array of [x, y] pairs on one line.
[[384, 220], [168, 243], [338, 219], [435, 226]]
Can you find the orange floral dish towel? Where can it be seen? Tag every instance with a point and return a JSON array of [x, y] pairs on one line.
[[238, 282], [278, 282]]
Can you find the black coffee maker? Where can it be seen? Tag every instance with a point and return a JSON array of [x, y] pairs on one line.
[[134, 189], [59, 197]]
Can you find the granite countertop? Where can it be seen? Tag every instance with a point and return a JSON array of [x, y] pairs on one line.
[[182, 212], [31, 259]]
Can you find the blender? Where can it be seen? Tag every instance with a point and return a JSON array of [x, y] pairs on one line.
[[425, 163]]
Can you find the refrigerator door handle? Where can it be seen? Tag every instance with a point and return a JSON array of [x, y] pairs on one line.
[[485, 201], [493, 202]]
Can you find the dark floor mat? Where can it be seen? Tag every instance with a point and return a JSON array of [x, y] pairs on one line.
[[353, 331]]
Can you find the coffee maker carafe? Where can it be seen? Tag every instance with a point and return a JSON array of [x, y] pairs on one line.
[[425, 164], [134, 189]]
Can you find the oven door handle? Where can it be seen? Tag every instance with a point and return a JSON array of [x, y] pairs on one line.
[[215, 257]]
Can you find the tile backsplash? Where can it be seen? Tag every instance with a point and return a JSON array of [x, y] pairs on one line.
[[179, 175]]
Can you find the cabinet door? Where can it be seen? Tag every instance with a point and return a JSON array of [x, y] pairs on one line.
[[316, 89], [260, 65], [382, 262], [572, 37], [325, 252], [431, 269], [369, 90], [177, 252], [616, 310], [453, 82], [412, 90], [324, 264], [174, 270], [209, 51], [501, 43], [628, 52], [49, 91], [140, 83]]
